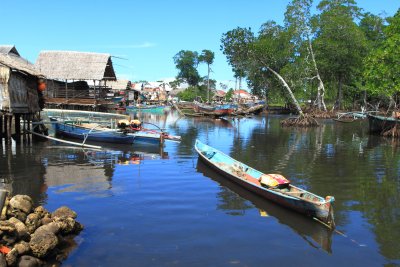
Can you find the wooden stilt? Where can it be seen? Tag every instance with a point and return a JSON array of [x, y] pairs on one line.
[[5, 127], [24, 128], [29, 128], [17, 126], [1, 126], [10, 119]]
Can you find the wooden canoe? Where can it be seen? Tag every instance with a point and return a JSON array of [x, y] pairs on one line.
[[284, 194]]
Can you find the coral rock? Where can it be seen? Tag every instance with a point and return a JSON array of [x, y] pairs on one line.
[[32, 222], [29, 261], [64, 212], [42, 242], [21, 202], [22, 248], [20, 227], [11, 257]]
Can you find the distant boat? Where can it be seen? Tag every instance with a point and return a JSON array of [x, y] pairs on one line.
[[215, 110], [270, 186], [381, 124]]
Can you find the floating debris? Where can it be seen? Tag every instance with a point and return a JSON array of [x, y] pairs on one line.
[[34, 236]]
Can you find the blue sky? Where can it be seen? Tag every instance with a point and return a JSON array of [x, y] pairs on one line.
[[143, 35]]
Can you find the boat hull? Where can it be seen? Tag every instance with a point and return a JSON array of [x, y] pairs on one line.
[[323, 210], [380, 124], [219, 110], [76, 132], [108, 136]]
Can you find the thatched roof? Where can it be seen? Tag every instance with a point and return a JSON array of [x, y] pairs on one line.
[[8, 49], [71, 65], [18, 63], [119, 84]]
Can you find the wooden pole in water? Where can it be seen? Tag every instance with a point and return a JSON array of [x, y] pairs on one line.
[[1, 126], [5, 127], [17, 120], [9, 129], [28, 117], [24, 128]]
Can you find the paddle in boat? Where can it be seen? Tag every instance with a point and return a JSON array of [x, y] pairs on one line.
[[273, 187]]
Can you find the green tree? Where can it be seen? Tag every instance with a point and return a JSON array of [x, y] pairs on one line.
[[229, 94], [207, 56], [373, 27], [382, 68], [186, 62], [298, 23], [340, 43], [235, 46]]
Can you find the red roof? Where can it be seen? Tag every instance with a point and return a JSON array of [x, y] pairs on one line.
[[242, 92]]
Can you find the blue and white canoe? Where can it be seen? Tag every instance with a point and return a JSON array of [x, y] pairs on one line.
[[96, 132], [273, 187]]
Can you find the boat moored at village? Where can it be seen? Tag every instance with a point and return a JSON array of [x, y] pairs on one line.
[[273, 187], [124, 133], [216, 110]]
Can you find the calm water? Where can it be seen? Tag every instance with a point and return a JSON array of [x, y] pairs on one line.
[[144, 206]]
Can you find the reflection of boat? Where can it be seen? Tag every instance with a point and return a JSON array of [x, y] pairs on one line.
[[215, 110], [85, 130], [270, 186], [381, 124], [148, 108], [307, 229]]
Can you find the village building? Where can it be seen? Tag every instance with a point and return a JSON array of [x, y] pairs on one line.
[[242, 96], [152, 91], [21, 87], [219, 95], [76, 80]]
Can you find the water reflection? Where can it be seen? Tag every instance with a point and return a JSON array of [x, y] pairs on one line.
[[30, 170], [233, 199]]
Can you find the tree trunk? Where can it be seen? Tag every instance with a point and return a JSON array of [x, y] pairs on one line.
[[339, 97], [208, 83], [294, 100], [321, 87]]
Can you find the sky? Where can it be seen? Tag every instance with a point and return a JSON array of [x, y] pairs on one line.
[[143, 36]]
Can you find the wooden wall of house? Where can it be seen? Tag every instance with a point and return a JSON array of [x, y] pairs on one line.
[[24, 96], [57, 89], [77, 89]]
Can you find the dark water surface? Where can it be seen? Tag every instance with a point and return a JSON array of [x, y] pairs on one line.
[[146, 206]]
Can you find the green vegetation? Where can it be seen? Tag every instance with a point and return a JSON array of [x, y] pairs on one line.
[[340, 56]]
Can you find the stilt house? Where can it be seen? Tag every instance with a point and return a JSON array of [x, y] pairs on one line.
[[20, 90], [76, 80]]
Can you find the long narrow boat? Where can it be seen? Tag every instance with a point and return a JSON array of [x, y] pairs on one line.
[[216, 110], [270, 186], [380, 124], [96, 132]]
